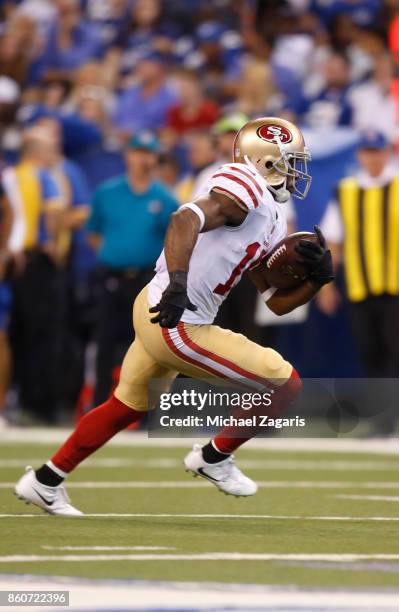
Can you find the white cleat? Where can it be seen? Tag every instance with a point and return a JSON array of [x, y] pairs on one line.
[[225, 475], [53, 500]]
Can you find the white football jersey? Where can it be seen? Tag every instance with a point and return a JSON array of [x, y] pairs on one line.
[[222, 255]]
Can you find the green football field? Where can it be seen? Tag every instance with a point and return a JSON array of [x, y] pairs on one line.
[[320, 519]]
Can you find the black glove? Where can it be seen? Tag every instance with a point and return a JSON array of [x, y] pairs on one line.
[[317, 258], [173, 302]]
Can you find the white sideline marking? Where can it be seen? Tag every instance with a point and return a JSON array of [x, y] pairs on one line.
[[329, 466], [165, 463], [209, 556], [102, 594], [271, 484], [276, 517], [388, 498], [381, 446], [197, 484], [108, 547]]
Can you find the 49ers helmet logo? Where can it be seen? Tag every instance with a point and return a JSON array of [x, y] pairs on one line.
[[274, 133]]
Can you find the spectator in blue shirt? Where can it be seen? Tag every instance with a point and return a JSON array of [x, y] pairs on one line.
[[76, 196], [217, 55], [78, 260], [110, 17], [78, 133], [127, 226], [149, 27], [146, 105], [331, 106], [72, 41]]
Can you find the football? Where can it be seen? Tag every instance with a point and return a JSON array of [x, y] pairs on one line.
[[281, 267]]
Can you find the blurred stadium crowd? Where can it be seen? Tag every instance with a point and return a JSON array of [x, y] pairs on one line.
[[90, 87]]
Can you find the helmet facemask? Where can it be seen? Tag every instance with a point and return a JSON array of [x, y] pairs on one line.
[[294, 167]]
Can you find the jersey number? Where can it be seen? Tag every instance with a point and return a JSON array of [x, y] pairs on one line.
[[223, 288]]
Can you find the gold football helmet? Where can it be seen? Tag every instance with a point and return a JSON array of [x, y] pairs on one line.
[[276, 149]]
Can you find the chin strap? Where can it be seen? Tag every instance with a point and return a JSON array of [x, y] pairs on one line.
[[282, 195]]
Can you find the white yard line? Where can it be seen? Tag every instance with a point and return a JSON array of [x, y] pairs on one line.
[[269, 517], [147, 595], [345, 466], [198, 484], [208, 556], [165, 463], [47, 547], [387, 498], [381, 446], [138, 484], [109, 462]]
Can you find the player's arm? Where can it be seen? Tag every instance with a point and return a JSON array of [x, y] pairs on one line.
[[318, 260], [208, 213], [283, 301]]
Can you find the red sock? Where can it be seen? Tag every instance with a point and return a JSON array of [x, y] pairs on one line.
[[228, 440], [94, 430]]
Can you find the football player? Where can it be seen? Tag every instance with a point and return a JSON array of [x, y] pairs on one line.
[[209, 244]]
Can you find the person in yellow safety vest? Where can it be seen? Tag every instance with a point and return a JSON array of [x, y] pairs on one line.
[[361, 225]]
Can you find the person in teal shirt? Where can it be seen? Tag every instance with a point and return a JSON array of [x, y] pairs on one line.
[[126, 226]]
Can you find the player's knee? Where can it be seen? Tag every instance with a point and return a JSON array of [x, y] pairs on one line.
[[275, 367], [286, 392], [288, 388], [133, 396]]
